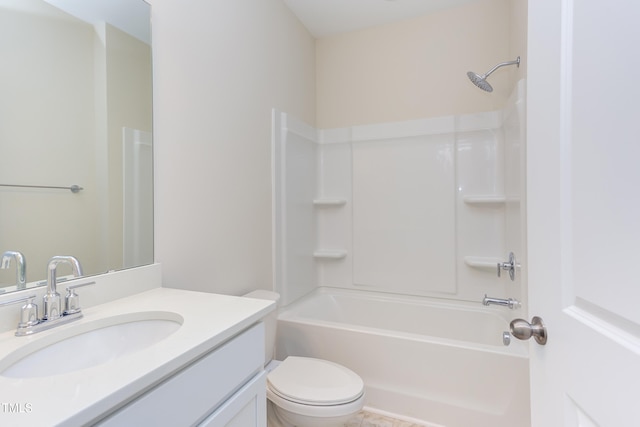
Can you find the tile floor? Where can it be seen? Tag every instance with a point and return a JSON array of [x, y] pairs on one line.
[[369, 419]]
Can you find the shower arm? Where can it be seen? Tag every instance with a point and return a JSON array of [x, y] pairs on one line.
[[500, 65]]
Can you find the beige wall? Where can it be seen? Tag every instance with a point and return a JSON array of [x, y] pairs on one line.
[[220, 67], [417, 68], [518, 36]]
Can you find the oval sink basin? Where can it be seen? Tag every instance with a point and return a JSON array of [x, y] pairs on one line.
[[89, 344]]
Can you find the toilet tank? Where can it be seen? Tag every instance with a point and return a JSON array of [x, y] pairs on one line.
[[270, 322]]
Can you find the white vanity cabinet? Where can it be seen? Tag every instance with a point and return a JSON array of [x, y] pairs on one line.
[[224, 387]]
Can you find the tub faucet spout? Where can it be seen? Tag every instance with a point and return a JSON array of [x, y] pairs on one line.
[[21, 267], [511, 303], [52, 305]]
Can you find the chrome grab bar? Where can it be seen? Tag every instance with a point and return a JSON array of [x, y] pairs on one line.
[[73, 188]]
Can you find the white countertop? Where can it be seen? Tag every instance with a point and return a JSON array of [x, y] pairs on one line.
[[81, 396]]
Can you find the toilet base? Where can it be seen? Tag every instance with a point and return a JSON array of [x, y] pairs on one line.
[[272, 419], [278, 417]]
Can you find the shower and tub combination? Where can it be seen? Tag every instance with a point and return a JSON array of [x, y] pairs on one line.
[[388, 238]]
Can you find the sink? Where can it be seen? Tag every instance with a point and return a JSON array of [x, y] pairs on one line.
[[89, 344]]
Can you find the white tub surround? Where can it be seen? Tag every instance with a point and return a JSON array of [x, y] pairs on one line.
[[424, 207], [432, 360], [406, 223], [85, 396]]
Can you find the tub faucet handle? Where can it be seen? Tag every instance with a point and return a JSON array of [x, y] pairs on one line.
[[509, 266]]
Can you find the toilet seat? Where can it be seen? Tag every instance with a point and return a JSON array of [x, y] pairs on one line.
[[316, 411], [314, 382]]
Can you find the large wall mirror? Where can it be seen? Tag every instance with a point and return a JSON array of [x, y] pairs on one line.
[[75, 113]]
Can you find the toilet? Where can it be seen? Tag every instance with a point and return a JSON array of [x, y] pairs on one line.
[[304, 391]]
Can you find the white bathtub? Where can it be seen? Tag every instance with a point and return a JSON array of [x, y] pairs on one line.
[[442, 363]]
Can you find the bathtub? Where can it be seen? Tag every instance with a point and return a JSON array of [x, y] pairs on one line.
[[435, 362]]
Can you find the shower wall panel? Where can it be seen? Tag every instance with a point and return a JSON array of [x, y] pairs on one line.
[[480, 231], [295, 153], [515, 186], [334, 209], [404, 214]]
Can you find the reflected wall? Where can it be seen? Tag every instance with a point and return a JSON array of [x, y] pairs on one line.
[[68, 89]]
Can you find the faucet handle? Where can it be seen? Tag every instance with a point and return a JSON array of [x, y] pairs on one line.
[[72, 300], [28, 312], [509, 266]]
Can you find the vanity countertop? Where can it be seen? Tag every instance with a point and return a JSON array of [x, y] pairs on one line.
[[80, 397]]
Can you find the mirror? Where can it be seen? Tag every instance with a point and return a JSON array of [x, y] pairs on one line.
[[75, 135]]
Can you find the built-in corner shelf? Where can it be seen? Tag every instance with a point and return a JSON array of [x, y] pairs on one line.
[[327, 202], [326, 254], [485, 200], [483, 263]]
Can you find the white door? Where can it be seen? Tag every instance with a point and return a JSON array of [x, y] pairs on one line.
[[583, 183]]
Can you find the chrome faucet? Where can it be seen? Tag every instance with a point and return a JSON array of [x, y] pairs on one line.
[[21, 267], [53, 314], [511, 303], [52, 306]]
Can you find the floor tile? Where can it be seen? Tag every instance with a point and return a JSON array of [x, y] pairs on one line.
[[370, 419]]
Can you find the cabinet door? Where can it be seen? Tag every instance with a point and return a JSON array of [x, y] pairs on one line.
[[200, 388], [246, 408]]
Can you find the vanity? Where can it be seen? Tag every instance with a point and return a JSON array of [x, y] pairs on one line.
[[178, 358], [140, 354]]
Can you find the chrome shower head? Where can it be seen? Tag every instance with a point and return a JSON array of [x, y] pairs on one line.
[[481, 80]]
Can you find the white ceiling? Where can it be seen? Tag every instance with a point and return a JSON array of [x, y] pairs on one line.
[[327, 17]]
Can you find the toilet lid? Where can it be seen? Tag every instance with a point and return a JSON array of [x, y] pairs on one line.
[[315, 382]]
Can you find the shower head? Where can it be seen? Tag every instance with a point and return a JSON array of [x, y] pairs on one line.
[[481, 80]]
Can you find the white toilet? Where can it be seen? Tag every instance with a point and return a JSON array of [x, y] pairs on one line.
[[307, 392]]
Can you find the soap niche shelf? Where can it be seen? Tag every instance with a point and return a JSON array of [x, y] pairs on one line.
[[496, 200], [330, 254], [482, 263], [329, 202]]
